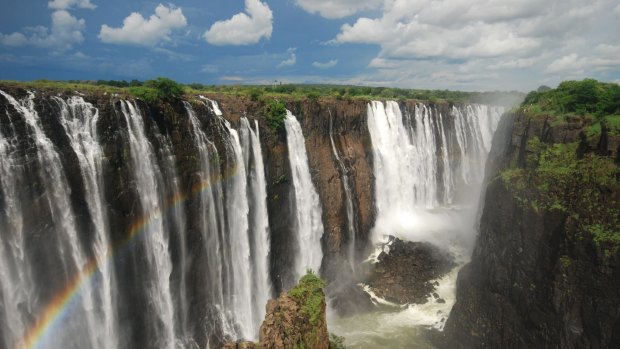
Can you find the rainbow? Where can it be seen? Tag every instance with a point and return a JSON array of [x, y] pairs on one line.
[[61, 304]]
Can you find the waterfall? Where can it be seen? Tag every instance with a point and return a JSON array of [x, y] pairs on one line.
[[309, 225], [211, 210], [79, 121], [259, 220], [237, 210], [235, 214], [149, 184], [16, 286], [416, 170], [174, 222], [348, 197], [82, 330]]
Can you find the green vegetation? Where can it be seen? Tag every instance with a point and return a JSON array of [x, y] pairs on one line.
[[586, 189], [580, 97], [275, 113], [587, 98], [279, 91], [309, 294], [336, 342], [162, 89], [556, 177]]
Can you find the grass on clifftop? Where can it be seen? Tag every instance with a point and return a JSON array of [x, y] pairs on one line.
[[309, 294], [312, 92]]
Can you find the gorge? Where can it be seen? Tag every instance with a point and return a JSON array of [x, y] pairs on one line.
[[170, 225]]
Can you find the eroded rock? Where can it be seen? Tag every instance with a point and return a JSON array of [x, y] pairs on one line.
[[406, 274]]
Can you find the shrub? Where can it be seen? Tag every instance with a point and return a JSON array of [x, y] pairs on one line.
[[309, 294], [336, 342], [162, 89], [275, 112]]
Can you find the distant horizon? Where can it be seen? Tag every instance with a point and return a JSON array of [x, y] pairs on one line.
[[479, 45], [93, 82]]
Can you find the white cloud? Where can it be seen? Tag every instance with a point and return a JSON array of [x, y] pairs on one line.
[[289, 61], [67, 4], [137, 30], [65, 32], [325, 65], [338, 9], [604, 57], [514, 40], [243, 28], [15, 39], [570, 62]]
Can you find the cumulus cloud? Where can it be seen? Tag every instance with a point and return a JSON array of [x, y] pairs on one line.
[[244, 28], [137, 30], [289, 61], [469, 37], [337, 9], [66, 31], [325, 65], [67, 4], [15, 39]]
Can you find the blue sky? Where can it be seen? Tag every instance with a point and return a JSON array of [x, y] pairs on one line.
[[447, 44]]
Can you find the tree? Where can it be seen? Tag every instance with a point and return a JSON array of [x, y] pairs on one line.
[[165, 88]]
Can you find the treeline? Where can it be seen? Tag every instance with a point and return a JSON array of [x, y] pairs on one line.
[[314, 92], [113, 83], [506, 98], [583, 97]]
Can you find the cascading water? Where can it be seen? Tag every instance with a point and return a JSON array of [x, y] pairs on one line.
[[410, 183], [211, 224], [235, 214], [348, 197], [70, 259], [237, 209], [259, 220], [82, 330], [188, 245], [149, 184], [309, 225], [79, 121], [17, 287], [429, 170]]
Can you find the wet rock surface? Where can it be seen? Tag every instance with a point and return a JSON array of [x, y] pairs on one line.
[[406, 273]]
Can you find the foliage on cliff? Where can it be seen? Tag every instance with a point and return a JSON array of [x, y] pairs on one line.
[[565, 177], [309, 294], [275, 112], [587, 189], [296, 319]]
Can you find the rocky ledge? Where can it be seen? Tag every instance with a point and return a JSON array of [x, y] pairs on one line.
[[296, 319], [405, 271]]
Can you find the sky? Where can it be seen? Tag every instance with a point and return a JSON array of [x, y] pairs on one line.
[[470, 45]]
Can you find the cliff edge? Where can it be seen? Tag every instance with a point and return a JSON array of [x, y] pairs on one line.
[[545, 272]]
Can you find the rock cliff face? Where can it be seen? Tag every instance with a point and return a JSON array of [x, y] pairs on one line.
[[537, 277]]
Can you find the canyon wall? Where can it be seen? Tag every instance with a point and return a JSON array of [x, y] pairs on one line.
[[540, 276]]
